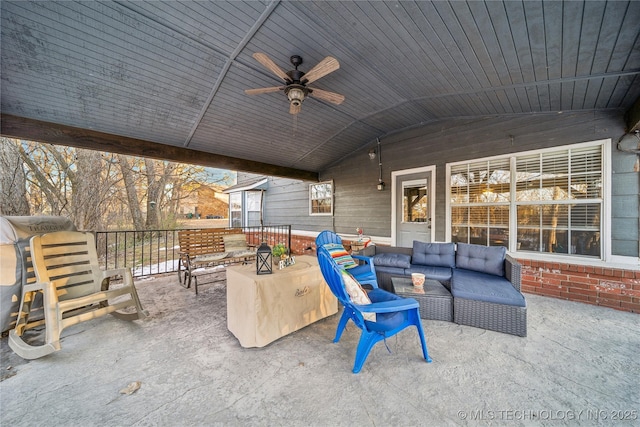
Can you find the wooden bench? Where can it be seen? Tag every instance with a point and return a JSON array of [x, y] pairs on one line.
[[210, 247]]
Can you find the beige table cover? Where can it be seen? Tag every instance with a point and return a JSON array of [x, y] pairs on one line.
[[263, 308]]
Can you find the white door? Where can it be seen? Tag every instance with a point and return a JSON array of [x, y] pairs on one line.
[[413, 193]]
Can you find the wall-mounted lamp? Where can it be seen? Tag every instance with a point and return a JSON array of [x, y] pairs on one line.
[[372, 154], [380, 183], [630, 143]]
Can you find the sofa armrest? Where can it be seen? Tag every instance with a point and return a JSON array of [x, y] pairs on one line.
[[513, 271], [380, 249], [369, 251]]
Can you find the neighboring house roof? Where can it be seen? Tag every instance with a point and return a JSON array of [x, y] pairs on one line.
[[255, 184]]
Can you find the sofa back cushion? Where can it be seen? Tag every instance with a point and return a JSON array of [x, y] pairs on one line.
[[389, 259], [434, 254], [484, 259]]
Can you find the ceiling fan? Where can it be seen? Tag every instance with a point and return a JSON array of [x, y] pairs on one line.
[[296, 81]]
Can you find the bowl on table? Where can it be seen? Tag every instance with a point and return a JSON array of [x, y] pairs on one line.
[[417, 279]]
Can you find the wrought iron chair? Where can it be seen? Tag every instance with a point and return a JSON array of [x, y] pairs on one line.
[[364, 273], [74, 290], [392, 313]]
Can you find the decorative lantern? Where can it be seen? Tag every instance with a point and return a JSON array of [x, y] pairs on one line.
[[264, 259]]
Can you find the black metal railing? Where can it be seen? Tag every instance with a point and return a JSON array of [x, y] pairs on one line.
[[151, 252]]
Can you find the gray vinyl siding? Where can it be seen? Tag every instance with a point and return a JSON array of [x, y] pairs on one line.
[[357, 202], [287, 203]]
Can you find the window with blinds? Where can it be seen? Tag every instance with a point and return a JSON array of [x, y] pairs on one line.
[[480, 199], [555, 196]]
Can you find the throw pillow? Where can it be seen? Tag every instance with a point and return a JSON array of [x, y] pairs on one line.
[[357, 295], [340, 255]]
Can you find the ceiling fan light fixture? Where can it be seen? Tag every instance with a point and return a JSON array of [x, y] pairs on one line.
[[296, 81], [295, 95]]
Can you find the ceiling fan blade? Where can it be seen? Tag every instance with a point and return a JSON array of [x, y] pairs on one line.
[[263, 90], [334, 98], [268, 63], [294, 109], [324, 67]]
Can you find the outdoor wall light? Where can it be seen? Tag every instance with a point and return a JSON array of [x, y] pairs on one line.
[[380, 183], [372, 154], [630, 143]]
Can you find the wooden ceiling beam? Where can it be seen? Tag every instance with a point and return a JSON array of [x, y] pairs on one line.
[[52, 133]]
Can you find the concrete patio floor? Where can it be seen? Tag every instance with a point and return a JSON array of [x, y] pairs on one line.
[[578, 364]]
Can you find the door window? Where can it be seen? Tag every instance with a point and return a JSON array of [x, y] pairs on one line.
[[415, 201]]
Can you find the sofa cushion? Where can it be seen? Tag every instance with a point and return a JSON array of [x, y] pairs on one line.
[[485, 287], [392, 260], [484, 259], [441, 274], [434, 254]]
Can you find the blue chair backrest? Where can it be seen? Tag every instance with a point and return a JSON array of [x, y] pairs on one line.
[[327, 237], [333, 276]]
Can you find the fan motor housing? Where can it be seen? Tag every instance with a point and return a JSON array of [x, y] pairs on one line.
[[295, 75]]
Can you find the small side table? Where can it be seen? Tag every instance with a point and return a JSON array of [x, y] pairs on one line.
[[435, 300], [356, 247]]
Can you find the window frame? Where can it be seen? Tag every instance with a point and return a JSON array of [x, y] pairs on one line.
[[249, 221], [311, 199], [232, 210], [604, 200]]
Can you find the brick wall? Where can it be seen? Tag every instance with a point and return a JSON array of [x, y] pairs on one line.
[[609, 287], [299, 245]]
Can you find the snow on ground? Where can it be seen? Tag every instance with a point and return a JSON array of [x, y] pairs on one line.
[[169, 266]]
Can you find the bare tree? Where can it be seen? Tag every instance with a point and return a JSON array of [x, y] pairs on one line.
[[98, 189], [13, 183], [74, 183], [131, 186], [147, 183], [158, 175], [46, 180], [90, 189]]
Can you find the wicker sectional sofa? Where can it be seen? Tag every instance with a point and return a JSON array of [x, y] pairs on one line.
[[484, 281]]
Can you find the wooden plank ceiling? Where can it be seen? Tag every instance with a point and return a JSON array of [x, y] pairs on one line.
[[174, 73]]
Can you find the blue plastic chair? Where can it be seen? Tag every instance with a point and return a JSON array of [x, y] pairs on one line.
[[364, 273], [393, 313]]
